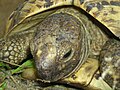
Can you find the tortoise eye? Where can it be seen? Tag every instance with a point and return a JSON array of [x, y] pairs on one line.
[[67, 54]]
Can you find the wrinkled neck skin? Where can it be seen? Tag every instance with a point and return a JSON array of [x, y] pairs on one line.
[[59, 47]]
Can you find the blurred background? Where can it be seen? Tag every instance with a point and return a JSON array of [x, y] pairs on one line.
[[6, 8]]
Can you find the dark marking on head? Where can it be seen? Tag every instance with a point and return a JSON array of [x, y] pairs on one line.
[[48, 3], [99, 6], [105, 3], [26, 10], [81, 2], [60, 38], [90, 6], [32, 1], [116, 3], [39, 6]]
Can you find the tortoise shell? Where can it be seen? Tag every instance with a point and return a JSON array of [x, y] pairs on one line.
[[107, 12]]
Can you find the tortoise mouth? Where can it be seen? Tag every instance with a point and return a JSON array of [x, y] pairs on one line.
[[51, 72]]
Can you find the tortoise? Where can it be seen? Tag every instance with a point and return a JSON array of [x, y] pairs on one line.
[[63, 35]]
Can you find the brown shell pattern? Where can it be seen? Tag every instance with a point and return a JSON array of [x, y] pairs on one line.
[[105, 11]]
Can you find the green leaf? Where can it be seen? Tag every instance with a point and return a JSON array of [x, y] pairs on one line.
[[27, 64], [3, 86], [2, 64]]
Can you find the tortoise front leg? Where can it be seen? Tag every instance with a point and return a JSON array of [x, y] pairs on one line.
[[110, 63], [14, 49], [86, 77], [83, 77]]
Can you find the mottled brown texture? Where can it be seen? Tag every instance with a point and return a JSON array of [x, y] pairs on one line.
[[91, 39], [110, 66]]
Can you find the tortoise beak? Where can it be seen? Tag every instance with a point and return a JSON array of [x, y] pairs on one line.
[[49, 70]]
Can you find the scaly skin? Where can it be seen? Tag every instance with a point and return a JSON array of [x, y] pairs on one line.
[[110, 63], [15, 48], [60, 44]]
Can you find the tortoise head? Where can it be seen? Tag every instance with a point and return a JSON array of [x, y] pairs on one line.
[[56, 47]]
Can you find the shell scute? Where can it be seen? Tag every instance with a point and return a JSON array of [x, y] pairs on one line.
[[105, 11]]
